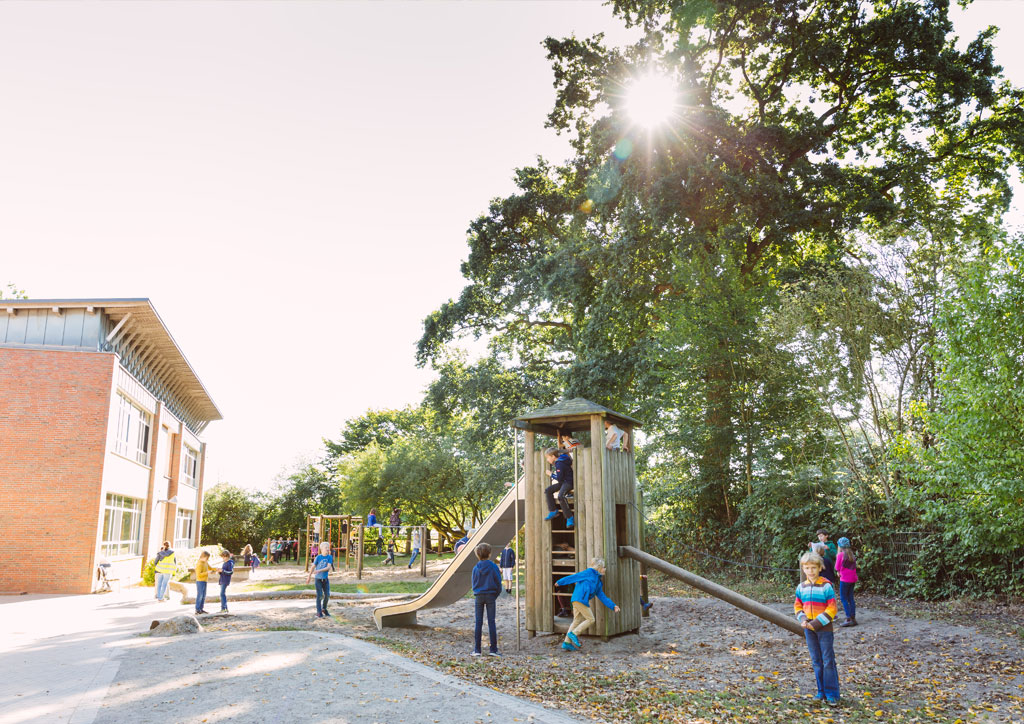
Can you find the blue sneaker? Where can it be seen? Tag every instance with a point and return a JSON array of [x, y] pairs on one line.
[[551, 515], [575, 640], [568, 523], [567, 646]]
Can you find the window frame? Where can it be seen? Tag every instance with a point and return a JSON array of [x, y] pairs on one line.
[[115, 508], [182, 515], [134, 437], [189, 455]]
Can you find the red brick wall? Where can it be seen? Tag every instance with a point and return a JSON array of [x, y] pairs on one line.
[[54, 407]]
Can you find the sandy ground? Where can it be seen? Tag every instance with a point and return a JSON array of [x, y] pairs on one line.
[[919, 667]]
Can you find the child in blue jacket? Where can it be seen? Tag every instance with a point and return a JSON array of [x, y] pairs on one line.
[[486, 588], [562, 483], [588, 584]]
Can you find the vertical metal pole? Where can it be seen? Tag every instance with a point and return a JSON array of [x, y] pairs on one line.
[[359, 559], [515, 477]]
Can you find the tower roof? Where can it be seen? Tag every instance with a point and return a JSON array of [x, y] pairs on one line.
[[569, 416]]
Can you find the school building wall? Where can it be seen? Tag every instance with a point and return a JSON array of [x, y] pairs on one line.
[[54, 415]]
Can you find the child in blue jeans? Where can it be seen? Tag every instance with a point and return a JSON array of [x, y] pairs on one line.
[[227, 567], [322, 564], [815, 609], [486, 589]]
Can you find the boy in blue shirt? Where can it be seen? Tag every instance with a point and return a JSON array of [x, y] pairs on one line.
[[322, 564], [561, 475], [588, 584], [486, 588]]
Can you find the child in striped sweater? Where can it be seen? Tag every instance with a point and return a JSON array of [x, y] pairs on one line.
[[815, 609]]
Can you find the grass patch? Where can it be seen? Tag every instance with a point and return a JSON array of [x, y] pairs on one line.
[[375, 587]]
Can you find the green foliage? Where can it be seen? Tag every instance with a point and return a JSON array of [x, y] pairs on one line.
[[149, 573], [12, 292], [964, 472], [757, 278], [234, 516]]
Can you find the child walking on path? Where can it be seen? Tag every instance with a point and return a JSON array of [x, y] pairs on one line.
[[322, 565], [417, 543], [508, 565], [227, 567], [202, 573], [846, 568], [561, 473], [486, 589], [391, 553], [815, 608], [588, 584]]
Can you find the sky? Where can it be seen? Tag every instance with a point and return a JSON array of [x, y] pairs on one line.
[[289, 183]]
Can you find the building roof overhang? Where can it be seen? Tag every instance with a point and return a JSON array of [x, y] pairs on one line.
[[136, 316]]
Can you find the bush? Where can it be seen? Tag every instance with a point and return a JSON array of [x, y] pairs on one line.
[[185, 559]]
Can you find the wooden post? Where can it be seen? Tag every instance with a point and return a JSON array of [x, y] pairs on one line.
[[423, 550], [359, 554]]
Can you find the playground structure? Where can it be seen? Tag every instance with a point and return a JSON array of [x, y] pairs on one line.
[[608, 525], [338, 530]]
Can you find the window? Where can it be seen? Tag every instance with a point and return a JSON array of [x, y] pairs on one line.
[[183, 522], [189, 466], [133, 430], [122, 526]]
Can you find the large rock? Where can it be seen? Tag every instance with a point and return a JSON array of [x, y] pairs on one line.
[[175, 626]]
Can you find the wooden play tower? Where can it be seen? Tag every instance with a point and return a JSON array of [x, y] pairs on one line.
[[605, 509]]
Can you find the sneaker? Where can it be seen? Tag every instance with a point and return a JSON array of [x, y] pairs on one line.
[[568, 523], [832, 702], [575, 640], [567, 646], [819, 697], [551, 515], [223, 610], [494, 653], [475, 653], [648, 606]]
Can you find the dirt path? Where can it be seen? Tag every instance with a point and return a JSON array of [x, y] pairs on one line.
[[698, 659]]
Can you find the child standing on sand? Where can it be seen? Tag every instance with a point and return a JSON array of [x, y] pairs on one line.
[[322, 565], [486, 589], [815, 608]]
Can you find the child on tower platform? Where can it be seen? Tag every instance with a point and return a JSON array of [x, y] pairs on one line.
[[587, 585], [561, 475]]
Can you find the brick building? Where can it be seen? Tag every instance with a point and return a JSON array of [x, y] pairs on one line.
[[100, 449]]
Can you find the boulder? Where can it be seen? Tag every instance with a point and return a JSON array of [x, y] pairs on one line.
[[176, 626]]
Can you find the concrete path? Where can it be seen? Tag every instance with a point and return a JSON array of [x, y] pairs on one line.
[[79, 660]]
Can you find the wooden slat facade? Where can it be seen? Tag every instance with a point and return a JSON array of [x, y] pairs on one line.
[[606, 517]]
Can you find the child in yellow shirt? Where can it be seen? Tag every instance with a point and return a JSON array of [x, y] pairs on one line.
[[202, 572]]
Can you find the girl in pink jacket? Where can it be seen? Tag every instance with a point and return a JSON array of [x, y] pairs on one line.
[[846, 569]]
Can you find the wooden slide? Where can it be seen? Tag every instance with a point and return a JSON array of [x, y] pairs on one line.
[[455, 581]]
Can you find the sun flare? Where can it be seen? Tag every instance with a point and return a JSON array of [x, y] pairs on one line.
[[651, 100]]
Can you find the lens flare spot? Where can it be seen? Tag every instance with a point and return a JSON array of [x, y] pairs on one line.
[[623, 149], [587, 206]]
